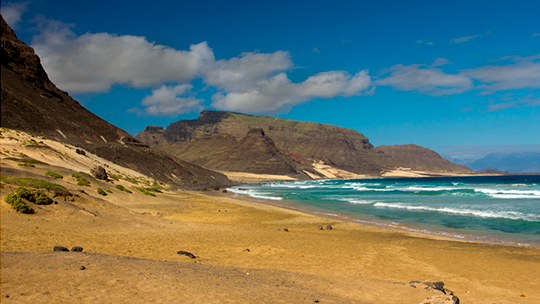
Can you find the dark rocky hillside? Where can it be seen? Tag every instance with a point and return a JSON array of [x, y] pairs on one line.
[[32, 103], [419, 158], [255, 153], [304, 142]]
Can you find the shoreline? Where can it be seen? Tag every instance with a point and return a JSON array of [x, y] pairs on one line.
[[439, 234]]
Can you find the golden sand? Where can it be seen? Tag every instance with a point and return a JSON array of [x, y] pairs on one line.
[[130, 243]]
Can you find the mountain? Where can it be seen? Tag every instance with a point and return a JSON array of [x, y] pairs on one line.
[[255, 153], [306, 143], [528, 162], [420, 158], [32, 103]]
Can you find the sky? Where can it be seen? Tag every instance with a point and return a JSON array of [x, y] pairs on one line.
[[459, 77]]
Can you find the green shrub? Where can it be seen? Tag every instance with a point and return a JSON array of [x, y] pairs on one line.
[[108, 191], [81, 181], [26, 165], [10, 198], [41, 198], [87, 174], [17, 204], [101, 192], [33, 183], [145, 191], [53, 174], [22, 192], [120, 187]]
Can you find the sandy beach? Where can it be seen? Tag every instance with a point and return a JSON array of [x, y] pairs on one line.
[[243, 253]]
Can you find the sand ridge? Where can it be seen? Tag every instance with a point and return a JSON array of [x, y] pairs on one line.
[[127, 234]]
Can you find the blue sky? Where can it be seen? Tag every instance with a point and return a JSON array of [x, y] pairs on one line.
[[459, 77]]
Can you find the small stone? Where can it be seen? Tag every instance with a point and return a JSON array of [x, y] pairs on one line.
[[60, 248], [434, 286], [188, 254], [224, 191], [414, 282], [82, 268], [328, 227], [320, 228], [76, 249], [285, 229], [279, 229], [80, 152]]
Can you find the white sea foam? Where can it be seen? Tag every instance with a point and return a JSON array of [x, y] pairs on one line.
[[514, 215], [507, 193], [255, 194], [358, 201]]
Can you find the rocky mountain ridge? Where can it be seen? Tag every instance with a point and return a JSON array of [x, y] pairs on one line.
[[305, 143], [32, 103]]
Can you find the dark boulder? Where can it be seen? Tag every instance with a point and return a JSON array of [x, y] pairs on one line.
[[76, 249], [320, 228], [60, 248], [80, 152], [328, 227], [100, 173]]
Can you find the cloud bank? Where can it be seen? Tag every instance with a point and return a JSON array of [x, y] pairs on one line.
[[252, 82]]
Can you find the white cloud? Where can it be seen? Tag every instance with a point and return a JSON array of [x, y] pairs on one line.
[[316, 50], [439, 62], [463, 39], [278, 93], [242, 73], [535, 34], [521, 75], [168, 100], [95, 62], [12, 12], [429, 81]]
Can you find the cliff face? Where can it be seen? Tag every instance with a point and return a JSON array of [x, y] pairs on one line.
[[419, 158], [255, 153], [304, 141], [32, 103]]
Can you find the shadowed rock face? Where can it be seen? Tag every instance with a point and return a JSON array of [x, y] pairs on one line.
[[341, 147], [303, 141], [255, 153], [32, 103]]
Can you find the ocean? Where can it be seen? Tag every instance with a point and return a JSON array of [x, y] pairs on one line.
[[493, 209]]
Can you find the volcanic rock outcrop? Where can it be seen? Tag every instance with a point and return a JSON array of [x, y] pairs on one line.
[[255, 153], [304, 142], [32, 103]]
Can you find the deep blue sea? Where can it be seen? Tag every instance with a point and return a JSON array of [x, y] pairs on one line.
[[495, 209]]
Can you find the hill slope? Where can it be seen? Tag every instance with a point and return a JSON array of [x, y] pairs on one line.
[[255, 153], [514, 163], [305, 142], [32, 103], [420, 158]]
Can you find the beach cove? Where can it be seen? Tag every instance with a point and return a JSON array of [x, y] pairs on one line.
[[243, 256]]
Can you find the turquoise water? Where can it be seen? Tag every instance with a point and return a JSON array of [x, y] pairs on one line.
[[499, 209]]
